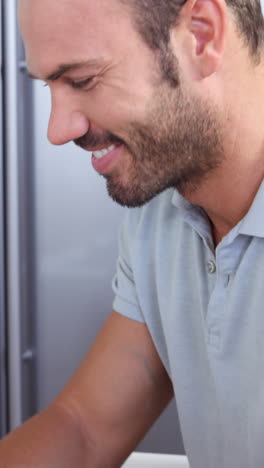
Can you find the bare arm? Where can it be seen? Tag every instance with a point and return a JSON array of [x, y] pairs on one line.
[[98, 419]]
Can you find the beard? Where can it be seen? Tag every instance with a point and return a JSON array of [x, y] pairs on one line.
[[178, 146]]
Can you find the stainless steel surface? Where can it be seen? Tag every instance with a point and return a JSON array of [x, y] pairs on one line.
[[12, 215], [19, 224], [3, 367], [27, 235], [28, 355]]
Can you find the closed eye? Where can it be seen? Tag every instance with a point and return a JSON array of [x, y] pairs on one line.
[[77, 84], [81, 84]]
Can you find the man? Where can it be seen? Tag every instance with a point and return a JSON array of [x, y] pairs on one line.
[[168, 97]]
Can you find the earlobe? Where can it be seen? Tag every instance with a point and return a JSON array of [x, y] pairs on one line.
[[208, 27]]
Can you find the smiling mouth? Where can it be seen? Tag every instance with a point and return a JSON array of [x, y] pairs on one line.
[[103, 152], [105, 159]]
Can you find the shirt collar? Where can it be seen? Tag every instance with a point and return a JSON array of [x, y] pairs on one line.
[[180, 202], [195, 216], [253, 222], [251, 225]]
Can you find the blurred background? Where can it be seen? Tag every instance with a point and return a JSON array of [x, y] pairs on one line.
[[58, 251]]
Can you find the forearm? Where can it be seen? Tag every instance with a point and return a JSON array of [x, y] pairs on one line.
[[51, 439]]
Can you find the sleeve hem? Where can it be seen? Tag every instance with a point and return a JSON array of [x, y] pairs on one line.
[[127, 309]]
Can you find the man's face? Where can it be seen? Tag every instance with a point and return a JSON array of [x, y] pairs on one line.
[[110, 96]]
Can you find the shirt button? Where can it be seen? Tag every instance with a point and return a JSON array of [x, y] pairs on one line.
[[211, 267]]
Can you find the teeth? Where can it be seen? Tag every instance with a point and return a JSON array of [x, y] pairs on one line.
[[104, 152]]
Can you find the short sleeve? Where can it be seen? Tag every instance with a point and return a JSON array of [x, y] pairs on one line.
[[126, 301]]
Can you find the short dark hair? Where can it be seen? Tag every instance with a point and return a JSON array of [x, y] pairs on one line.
[[250, 23], [155, 18]]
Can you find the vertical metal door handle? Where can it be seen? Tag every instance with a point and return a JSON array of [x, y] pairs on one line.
[[12, 214]]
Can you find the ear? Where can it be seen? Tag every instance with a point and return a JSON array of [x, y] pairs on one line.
[[205, 22]]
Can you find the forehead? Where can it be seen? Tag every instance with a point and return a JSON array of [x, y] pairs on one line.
[[62, 30]]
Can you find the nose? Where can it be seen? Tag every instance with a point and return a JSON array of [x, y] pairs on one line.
[[66, 123]]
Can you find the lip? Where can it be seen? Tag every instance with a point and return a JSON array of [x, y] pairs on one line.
[[105, 164]]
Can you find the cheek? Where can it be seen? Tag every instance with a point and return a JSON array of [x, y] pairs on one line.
[[114, 109]]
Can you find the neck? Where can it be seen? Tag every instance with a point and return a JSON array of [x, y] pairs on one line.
[[228, 193]]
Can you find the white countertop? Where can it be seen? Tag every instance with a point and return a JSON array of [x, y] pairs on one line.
[[152, 460]]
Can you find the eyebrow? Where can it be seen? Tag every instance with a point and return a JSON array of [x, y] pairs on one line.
[[67, 67]]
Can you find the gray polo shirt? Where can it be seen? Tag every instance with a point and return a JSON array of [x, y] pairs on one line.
[[204, 308]]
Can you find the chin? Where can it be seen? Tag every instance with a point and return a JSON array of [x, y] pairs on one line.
[[131, 195]]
